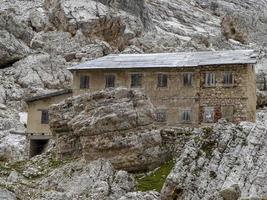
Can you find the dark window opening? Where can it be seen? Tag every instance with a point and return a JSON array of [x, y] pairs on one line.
[[210, 79], [110, 81], [45, 117], [186, 116], [161, 116], [37, 147], [228, 78], [84, 82], [188, 79], [136, 80], [162, 80]]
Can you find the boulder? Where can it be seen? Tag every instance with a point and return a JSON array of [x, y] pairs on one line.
[[11, 49], [116, 124], [231, 193]]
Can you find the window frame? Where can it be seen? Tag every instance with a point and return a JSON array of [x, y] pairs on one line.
[[207, 76], [186, 78], [84, 84], [106, 80], [161, 82], [208, 109], [188, 111], [140, 82], [44, 117], [232, 78]]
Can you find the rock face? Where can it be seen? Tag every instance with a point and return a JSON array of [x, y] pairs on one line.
[[12, 147], [261, 98], [116, 124], [226, 162], [56, 180]]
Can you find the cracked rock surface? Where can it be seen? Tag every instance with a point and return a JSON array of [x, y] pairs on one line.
[[224, 162]]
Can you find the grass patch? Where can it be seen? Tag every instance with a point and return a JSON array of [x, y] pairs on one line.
[[156, 179]]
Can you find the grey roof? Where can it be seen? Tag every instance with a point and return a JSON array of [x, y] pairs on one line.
[[48, 95], [159, 60]]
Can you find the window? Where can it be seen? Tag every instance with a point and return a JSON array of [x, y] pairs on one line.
[[228, 78], [186, 115], [208, 115], [227, 112], [210, 79], [84, 82], [44, 117], [136, 80], [162, 80], [188, 79], [110, 81], [161, 116]]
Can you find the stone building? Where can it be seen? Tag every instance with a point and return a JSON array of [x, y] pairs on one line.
[[188, 89]]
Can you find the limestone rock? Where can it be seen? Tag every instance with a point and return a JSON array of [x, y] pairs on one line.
[[116, 124], [11, 49], [218, 158], [7, 195], [231, 193], [41, 71], [261, 98], [68, 180], [151, 195]]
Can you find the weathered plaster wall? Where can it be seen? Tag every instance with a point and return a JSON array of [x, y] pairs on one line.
[[34, 124]]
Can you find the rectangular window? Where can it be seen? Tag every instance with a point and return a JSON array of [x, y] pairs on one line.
[[110, 81], [162, 80], [227, 112], [161, 116], [188, 79], [44, 117], [84, 82], [208, 115], [136, 80], [210, 79], [186, 116], [228, 78]]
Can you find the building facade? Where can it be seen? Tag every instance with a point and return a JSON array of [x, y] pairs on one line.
[[183, 95], [187, 89]]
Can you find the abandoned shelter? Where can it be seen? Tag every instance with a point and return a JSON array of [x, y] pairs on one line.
[[188, 89]]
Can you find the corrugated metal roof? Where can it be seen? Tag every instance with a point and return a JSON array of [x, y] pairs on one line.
[[181, 59]]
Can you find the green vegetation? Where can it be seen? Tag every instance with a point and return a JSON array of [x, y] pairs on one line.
[[156, 179], [208, 147]]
